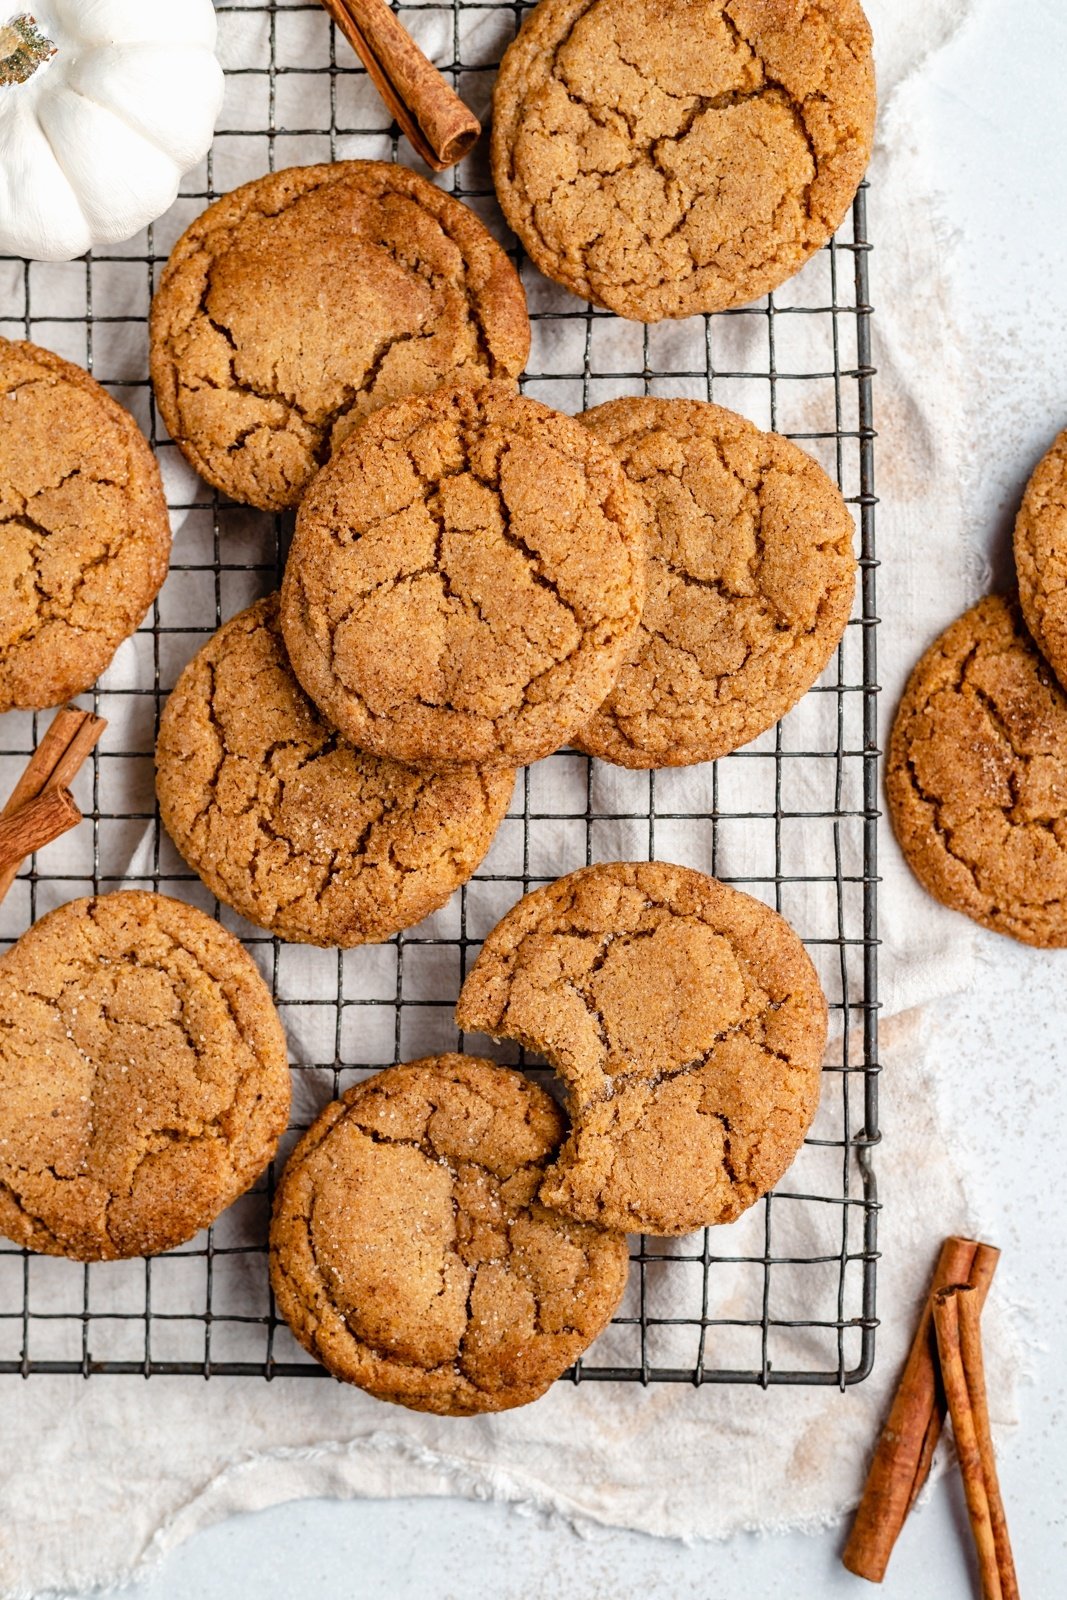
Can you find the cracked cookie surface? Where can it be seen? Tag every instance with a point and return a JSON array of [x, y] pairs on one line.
[[409, 1251], [976, 776], [666, 158], [688, 1024], [750, 575], [288, 823], [304, 300], [1041, 556], [84, 530], [465, 581], [143, 1077]]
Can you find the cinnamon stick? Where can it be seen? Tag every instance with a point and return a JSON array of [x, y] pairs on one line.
[[970, 1326], [905, 1449], [81, 746], [36, 824], [70, 738], [41, 765], [980, 1276], [947, 1324], [440, 128]]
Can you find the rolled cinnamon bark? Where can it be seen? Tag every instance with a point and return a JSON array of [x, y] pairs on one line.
[[969, 1307], [71, 736], [905, 1449], [440, 127], [36, 824], [961, 1409]]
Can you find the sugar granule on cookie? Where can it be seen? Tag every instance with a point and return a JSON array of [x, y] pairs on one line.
[[688, 1025], [290, 824], [411, 1255], [750, 577], [465, 580], [144, 1083], [976, 776], [308, 298], [679, 156]]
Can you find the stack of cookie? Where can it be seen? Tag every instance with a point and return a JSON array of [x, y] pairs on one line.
[[475, 580], [977, 771]]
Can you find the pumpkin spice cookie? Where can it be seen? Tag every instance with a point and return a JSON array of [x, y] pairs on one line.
[[308, 298], [411, 1255], [688, 1024], [685, 155], [84, 530], [977, 776], [143, 1077], [293, 827], [1041, 556], [749, 582], [465, 581]]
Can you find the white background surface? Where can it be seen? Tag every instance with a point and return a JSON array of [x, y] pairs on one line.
[[998, 143]]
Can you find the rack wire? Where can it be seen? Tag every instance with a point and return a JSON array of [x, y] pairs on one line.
[[787, 1294]]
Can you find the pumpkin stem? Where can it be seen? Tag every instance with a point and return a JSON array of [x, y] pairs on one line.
[[23, 48]]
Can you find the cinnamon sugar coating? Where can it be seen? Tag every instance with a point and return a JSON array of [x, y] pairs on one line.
[[688, 1024], [750, 576], [291, 825], [308, 298], [664, 157], [409, 1251], [976, 776], [84, 529], [143, 1077], [1041, 555], [465, 581]]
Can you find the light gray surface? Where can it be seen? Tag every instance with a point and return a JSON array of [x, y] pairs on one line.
[[400, 1550], [999, 142]]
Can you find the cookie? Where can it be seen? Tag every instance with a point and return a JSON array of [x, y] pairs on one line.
[[308, 298], [84, 530], [750, 579], [688, 1024], [678, 156], [976, 776], [143, 1077], [409, 1251], [289, 824], [1041, 556], [465, 581]]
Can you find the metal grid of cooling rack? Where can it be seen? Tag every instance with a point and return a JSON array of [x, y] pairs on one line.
[[787, 1294]]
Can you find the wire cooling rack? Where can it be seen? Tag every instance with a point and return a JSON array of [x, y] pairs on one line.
[[787, 1294]]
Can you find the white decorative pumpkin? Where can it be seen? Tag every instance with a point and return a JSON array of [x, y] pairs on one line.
[[104, 106]]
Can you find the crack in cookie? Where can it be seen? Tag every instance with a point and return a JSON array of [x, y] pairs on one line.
[[84, 528], [292, 826], [750, 578], [143, 1077], [409, 1251], [390, 287], [976, 776], [465, 580], [688, 1024], [686, 157]]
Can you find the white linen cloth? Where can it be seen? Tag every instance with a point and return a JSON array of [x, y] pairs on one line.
[[98, 1477]]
